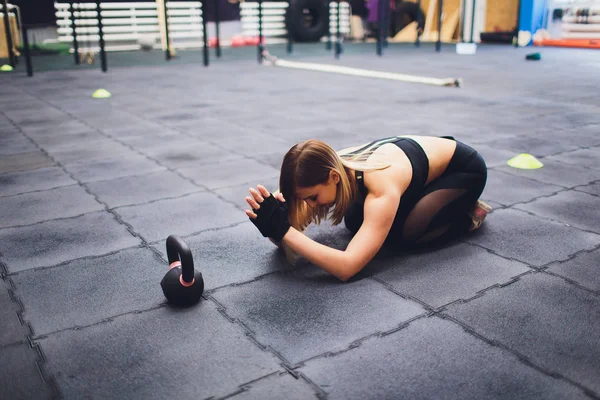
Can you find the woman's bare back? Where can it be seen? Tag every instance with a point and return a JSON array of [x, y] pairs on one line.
[[439, 152]]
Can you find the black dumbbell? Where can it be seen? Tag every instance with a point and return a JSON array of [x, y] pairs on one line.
[[182, 285]]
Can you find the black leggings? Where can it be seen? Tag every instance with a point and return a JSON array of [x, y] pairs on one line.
[[440, 214]]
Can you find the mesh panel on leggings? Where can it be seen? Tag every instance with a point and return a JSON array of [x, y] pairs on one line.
[[419, 221]]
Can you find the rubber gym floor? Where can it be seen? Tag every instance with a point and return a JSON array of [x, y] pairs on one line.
[[91, 189]]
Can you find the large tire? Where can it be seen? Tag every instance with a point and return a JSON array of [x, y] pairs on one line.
[[310, 26]]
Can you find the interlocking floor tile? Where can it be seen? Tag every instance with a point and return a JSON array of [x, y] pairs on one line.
[[60, 125], [521, 189], [276, 386], [19, 374], [92, 289], [303, 314], [536, 145], [113, 119], [584, 269], [182, 216], [593, 188], [112, 168], [529, 239], [195, 352], [432, 359], [44, 116], [140, 130], [11, 330], [583, 157], [231, 173], [52, 140], [582, 136], [140, 189], [571, 207], [53, 242], [189, 153], [232, 255], [446, 275], [14, 103], [46, 205], [24, 162], [91, 151], [546, 320], [28, 181], [556, 172], [15, 144], [155, 142], [256, 144]]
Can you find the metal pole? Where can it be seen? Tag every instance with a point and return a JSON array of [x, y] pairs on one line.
[[386, 22], [26, 49], [438, 44], [73, 28], [462, 20], [204, 35], [217, 21], [289, 34], [9, 42], [418, 39], [168, 42], [379, 26], [516, 37], [101, 34], [259, 47], [338, 41], [472, 22]]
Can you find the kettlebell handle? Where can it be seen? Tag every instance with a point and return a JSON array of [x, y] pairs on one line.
[[179, 252]]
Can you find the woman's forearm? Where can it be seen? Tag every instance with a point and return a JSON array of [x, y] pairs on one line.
[[334, 261]]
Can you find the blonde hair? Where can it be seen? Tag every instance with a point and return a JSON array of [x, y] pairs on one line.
[[364, 158], [308, 164]]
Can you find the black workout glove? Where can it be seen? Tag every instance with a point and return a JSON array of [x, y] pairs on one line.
[[271, 218]]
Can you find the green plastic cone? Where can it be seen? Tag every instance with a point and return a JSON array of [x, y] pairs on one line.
[[525, 161], [6, 68], [101, 94]]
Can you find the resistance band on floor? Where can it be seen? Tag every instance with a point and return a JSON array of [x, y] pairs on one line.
[[454, 82]]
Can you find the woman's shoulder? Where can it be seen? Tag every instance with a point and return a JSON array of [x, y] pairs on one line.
[[396, 176], [438, 142]]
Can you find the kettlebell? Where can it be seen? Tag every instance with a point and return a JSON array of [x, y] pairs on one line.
[[182, 285]]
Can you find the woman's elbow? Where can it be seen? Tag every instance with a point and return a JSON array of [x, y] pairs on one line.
[[350, 270], [344, 277]]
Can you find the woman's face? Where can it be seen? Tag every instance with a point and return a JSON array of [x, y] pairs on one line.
[[323, 194]]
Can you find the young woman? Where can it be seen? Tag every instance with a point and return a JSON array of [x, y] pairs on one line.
[[411, 191]]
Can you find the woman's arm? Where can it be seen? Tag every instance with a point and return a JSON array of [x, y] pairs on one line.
[[379, 213], [381, 205]]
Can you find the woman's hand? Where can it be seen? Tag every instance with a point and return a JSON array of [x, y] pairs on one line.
[[267, 213], [258, 196], [279, 196], [254, 204]]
